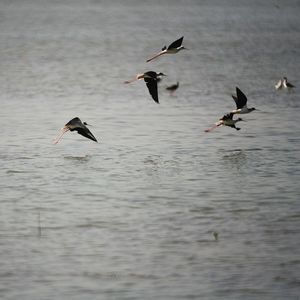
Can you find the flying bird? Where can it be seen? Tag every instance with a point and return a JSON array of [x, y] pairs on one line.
[[151, 79], [241, 103], [226, 120], [283, 83], [172, 49], [75, 125], [172, 88]]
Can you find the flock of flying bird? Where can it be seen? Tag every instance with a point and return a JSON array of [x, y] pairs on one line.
[[241, 106], [151, 79]]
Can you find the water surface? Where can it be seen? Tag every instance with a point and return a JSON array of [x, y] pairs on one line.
[[133, 216]]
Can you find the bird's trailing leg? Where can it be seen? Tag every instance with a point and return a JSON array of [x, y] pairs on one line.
[[59, 137], [156, 55], [213, 127], [129, 81], [138, 77], [172, 93]]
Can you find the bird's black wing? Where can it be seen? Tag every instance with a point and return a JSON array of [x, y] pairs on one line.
[[241, 99], [86, 133], [152, 87], [235, 99], [151, 74], [72, 123], [227, 117], [176, 44]]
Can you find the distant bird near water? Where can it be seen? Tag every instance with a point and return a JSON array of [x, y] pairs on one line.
[[216, 235], [226, 120], [172, 88], [173, 48], [241, 103], [150, 78], [283, 83], [76, 125]]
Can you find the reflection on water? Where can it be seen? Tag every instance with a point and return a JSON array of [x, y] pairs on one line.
[[158, 166], [235, 160], [154, 160], [84, 158], [15, 171]]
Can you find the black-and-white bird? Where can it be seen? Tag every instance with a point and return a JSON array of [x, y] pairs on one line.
[[172, 88], [241, 103], [76, 125], [283, 83], [150, 78], [226, 120], [173, 48], [287, 84]]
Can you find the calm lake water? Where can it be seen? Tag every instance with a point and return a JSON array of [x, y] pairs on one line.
[[133, 216]]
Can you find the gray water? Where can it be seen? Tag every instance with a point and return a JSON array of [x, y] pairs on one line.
[[133, 216]]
